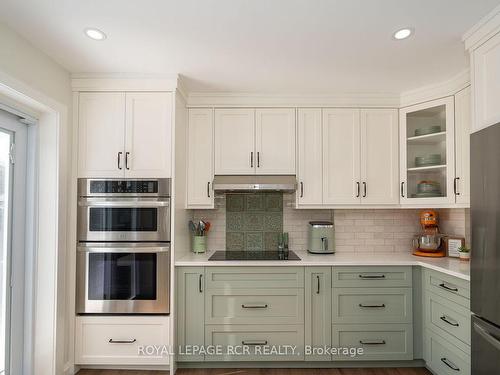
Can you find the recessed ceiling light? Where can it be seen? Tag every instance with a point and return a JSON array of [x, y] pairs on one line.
[[95, 34], [403, 33]]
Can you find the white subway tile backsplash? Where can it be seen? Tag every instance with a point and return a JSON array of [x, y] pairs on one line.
[[359, 231]]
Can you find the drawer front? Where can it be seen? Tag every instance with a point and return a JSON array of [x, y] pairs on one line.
[[378, 341], [117, 340], [449, 317], [244, 306], [450, 287], [443, 358], [262, 343], [371, 277], [372, 305], [254, 277]]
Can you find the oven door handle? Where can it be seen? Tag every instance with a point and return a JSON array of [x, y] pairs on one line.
[[124, 249], [125, 204]]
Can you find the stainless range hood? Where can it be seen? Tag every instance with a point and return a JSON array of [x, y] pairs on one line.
[[252, 183]]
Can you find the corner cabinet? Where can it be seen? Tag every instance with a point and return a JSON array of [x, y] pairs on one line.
[[200, 151], [124, 134], [427, 138], [255, 141]]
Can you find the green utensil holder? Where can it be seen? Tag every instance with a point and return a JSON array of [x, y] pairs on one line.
[[199, 244]]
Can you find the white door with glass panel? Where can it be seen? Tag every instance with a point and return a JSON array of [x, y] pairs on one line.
[[13, 140]]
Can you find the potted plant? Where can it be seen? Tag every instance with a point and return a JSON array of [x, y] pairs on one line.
[[464, 253]]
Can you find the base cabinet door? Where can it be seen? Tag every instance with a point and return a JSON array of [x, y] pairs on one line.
[[444, 358], [318, 313], [200, 151], [190, 312]]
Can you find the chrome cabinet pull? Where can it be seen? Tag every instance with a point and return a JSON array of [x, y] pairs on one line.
[[113, 341], [372, 342], [446, 287], [258, 159], [126, 160], [402, 189], [364, 189], [257, 306], [371, 276], [301, 189], [251, 159], [450, 364], [200, 283], [381, 306], [455, 185], [254, 342], [357, 189], [318, 285], [444, 318], [119, 160], [208, 189]]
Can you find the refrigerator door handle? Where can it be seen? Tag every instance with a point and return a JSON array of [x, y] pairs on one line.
[[487, 336]]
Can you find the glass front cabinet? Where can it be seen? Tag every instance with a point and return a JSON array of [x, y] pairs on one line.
[[428, 153]]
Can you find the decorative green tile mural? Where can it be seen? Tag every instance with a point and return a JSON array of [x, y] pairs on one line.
[[253, 221]]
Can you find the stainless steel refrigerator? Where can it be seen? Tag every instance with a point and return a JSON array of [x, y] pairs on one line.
[[485, 254]]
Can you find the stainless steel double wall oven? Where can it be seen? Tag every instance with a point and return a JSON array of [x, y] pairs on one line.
[[123, 253]]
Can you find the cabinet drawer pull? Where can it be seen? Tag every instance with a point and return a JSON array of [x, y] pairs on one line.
[[126, 160], [119, 160], [455, 183], [301, 189], [254, 342], [357, 189], [208, 189], [200, 283], [258, 159], [364, 189], [371, 276], [444, 318], [450, 364], [372, 342], [251, 159], [448, 288], [381, 306], [402, 189], [318, 285], [263, 306], [113, 341]]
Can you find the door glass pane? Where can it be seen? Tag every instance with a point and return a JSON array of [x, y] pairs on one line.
[[5, 176], [123, 219], [122, 276], [426, 148]]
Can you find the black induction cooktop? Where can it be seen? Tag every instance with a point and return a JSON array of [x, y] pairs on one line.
[[254, 255]]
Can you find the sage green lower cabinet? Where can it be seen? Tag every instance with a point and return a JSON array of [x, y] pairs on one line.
[[254, 306], [372, 276], [190, 312], [443, 358], [247, 342], [318, 313], [254, 277], [379, 342], [372, 305]]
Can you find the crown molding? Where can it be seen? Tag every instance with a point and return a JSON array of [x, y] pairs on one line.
[[123, 82], [235, 99], [436, 91], [488, 26]]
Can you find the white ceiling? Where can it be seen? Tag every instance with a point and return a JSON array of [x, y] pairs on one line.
[[278, 46]]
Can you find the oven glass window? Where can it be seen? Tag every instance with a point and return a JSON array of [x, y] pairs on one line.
[[122, 276], [107, 219]]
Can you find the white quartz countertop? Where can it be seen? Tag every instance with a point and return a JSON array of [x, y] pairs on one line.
[[450, 266]]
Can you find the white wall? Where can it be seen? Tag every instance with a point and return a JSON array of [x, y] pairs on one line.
[[36, 78]]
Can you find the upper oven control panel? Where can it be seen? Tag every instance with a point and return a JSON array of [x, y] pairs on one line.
[[88, 187]]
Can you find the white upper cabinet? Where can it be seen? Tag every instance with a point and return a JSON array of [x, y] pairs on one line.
[[101, 133], [124, 135], [275, 141], [463, 118], [341, 156], [427, 165], [379, 156], [310, 157], [485, 63], [235, 141], [148, 135], [200, 151]]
